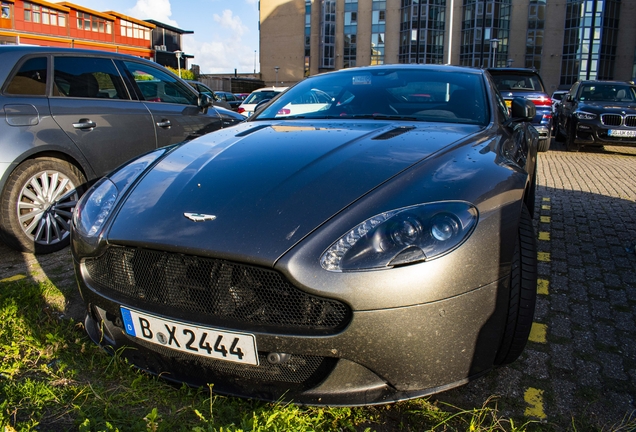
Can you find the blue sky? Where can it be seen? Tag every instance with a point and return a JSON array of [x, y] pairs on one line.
[[225, 31]]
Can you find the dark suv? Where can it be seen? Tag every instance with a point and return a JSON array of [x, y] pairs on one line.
[[71, 116], [527, 83], [598, 113]]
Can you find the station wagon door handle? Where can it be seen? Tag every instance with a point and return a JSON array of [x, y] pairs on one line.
[[164, 124], [84, 124]]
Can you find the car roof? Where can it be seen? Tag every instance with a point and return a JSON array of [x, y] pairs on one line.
[[524, 71]]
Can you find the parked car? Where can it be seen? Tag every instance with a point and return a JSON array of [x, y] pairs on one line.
[[241, 96], [597, 113], [374, 250], [71, 116], [216, 99], [228, 97], [556, 97], [258, 96], [527, 83]]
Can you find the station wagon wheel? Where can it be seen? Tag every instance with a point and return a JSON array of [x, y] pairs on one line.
[[37, 205], [523, 293]]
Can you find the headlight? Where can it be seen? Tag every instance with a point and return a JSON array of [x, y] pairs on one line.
[[403, 236], [582, 115], [95, 207]]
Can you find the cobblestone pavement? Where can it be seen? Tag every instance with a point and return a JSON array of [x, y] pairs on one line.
[[580, 362]]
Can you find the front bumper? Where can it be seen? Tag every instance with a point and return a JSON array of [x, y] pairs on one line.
[[596, 135], [381, 356]]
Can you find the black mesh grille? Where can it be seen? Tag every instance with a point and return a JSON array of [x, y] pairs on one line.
[[630, 121], [612, 119], [297, 369], [218, 290]]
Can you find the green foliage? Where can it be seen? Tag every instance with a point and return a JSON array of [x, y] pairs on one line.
[[185, 74]]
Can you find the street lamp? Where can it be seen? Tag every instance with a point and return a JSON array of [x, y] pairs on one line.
[[179, 54], [493, 46], [276, 69]]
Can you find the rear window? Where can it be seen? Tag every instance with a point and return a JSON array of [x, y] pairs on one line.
[[518, 82], [256, 97], [30, 78]]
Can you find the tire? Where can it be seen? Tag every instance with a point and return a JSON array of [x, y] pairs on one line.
[[37, 205], [544, 145], [523, 293], [569, 141]]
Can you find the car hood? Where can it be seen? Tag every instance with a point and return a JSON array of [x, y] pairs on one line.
[[266, 185], [599, 107]]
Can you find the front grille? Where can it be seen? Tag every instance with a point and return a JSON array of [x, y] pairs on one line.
[[217, 291], [612, 119], [630, 121]]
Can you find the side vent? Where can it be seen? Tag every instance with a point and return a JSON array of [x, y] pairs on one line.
[[394, 132]]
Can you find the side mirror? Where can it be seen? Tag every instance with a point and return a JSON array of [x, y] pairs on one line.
[[523, 109], [204, 101]]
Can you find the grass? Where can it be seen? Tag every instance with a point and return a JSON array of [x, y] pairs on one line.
[[53, 378]]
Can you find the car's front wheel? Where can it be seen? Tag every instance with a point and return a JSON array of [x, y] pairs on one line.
[[523, 293], [570, 145], [37, 205], [543, 145]]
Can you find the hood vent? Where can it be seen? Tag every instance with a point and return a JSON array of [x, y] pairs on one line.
[[394, 132], [254, 129]]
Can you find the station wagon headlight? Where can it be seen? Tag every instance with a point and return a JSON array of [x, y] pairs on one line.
[[97, 204], [582, 115], [403, 236]]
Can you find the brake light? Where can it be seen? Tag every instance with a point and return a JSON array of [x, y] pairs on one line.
[[542, 101], [240, 110]]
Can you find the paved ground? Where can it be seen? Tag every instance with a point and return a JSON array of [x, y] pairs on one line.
[[581, 360]]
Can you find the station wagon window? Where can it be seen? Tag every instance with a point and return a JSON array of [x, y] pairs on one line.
[[30, 78], [86, 77], [158, 86]]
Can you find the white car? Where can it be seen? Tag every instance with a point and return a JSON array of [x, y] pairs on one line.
[[247, 107]]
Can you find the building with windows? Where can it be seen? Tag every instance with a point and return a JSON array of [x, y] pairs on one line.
[[64, 24], [565, 40]]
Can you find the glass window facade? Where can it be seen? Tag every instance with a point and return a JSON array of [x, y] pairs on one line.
[[307, 37], [590, 40], [328, 35], [378, 29], [422, 31], [534, 35], [350, 33], [484, 21]]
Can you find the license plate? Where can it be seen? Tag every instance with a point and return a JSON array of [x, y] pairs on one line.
[[622, 133], [192, 339]]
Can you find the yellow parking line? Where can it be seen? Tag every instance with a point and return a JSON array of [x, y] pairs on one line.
[[543, 256], [542, 286], [544, 219], [545, 207], [544, 235], [534, 398], [538, 333], [546, 199], [13, 278]]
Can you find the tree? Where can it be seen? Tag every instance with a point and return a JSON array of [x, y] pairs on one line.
[[185, 74]]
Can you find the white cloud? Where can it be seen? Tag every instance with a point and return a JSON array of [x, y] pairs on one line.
[[158, 10], [226, 51]]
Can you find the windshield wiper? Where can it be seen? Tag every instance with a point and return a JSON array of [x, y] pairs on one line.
[[380, 117]]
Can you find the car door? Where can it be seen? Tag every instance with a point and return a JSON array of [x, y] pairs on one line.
[[92, 105], [568, 106], [174, 106]]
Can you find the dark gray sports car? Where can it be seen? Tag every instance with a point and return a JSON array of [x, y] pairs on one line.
[[364, 238]]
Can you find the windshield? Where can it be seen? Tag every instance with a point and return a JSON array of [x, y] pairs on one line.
[[607, 93], [400, 94]]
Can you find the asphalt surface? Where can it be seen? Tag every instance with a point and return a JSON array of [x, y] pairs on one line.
[[579, 368]]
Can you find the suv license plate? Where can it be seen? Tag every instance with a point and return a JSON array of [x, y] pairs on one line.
[[188, 338], [622, 133]]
